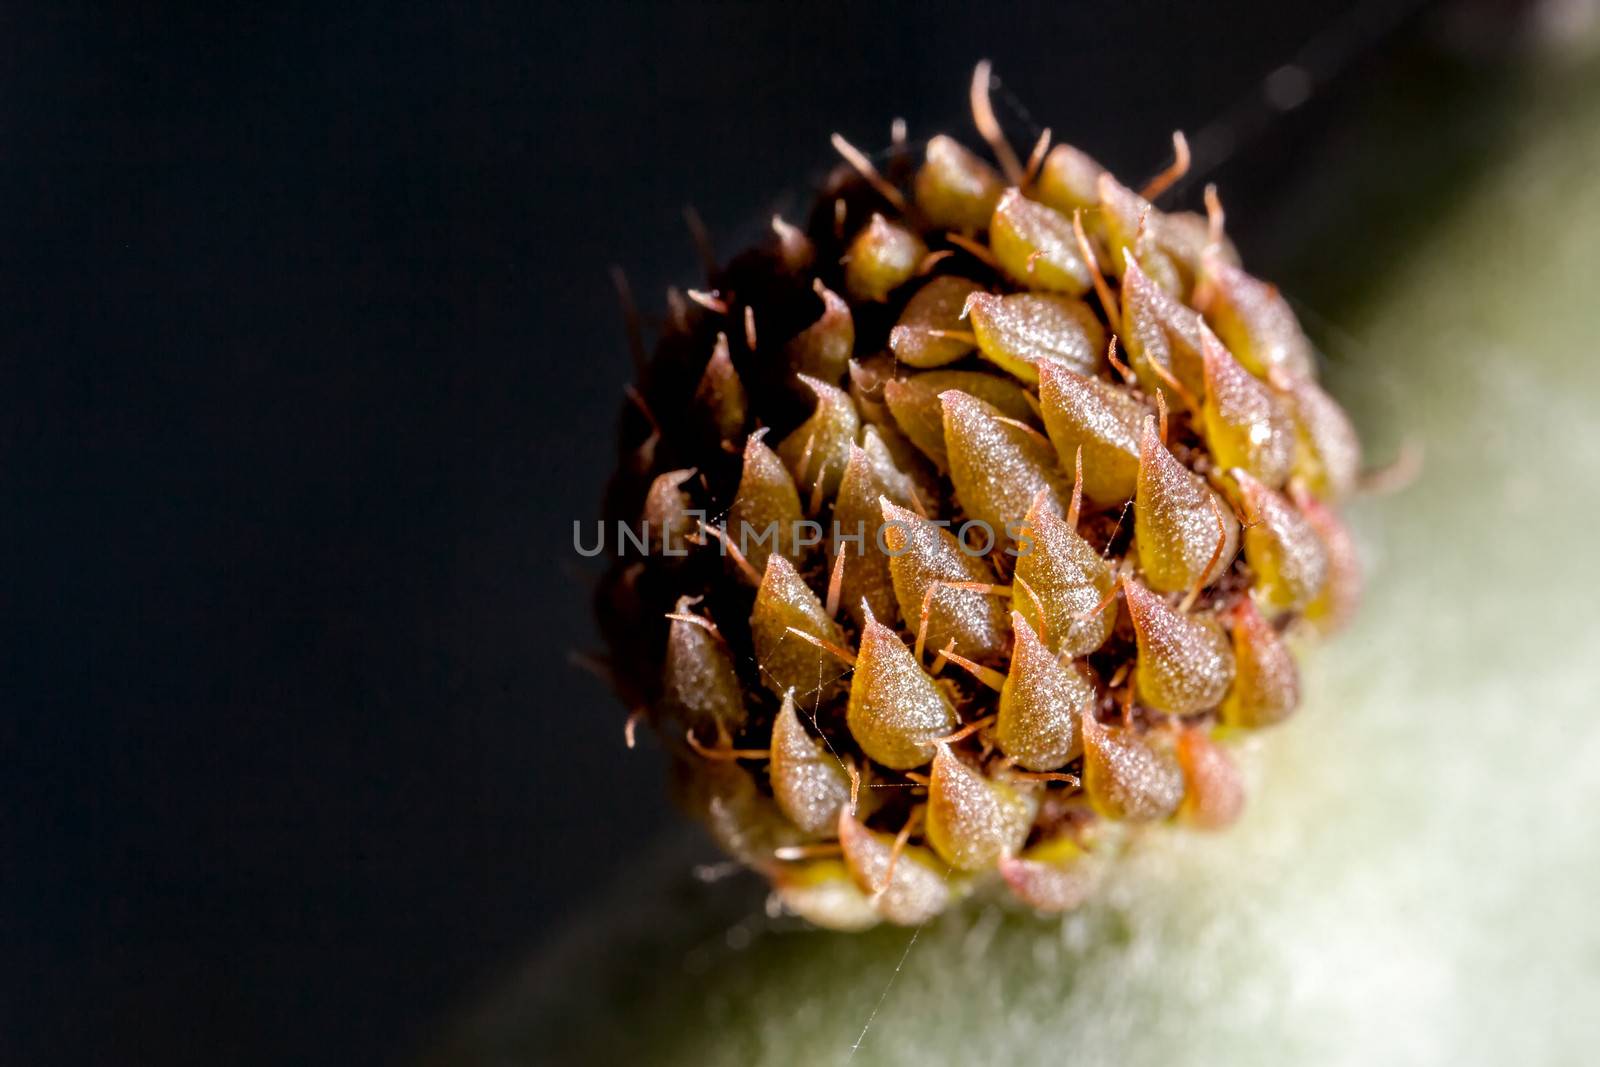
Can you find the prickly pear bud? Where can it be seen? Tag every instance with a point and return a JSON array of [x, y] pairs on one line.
[[766, 507], [997, 466], [1127, 776], [1185, 663], [954, 189], [895, 709], [1245, 424], [1100, 418], [1266, 683], [787, 661], [1020, 331], [1289, 559], [972, 820], [922, 559], [1040, 704], [884, 256], [930, 332], [1037, 246], [808, 781], [1186, 534]]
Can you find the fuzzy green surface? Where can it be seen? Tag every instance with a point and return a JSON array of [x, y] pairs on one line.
[[1417, 875]]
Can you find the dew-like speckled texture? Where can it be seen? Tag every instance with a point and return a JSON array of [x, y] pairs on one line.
[[1040, 704], [699, 682], [917, 888], [1178, 521], [1102, 419], [973, 821], [807, 780], [1246, 425], [1128, 776], [920, 338], [1019, 331], [820, 447], [1290, 560], [784, 601], [1060, 582], [1161, 335], [919, 413], [998, 469], [766, 497], [1253, 320], [1185, 663], [921, 557], [895, 709], [1036, 246]]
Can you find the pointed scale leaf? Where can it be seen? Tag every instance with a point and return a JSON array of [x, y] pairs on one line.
[[1100, 418], [742, 820], [720, 398], [997, 467], [765, 500], [808, 781], [1127, 775], [823, 893], [1327, 450], [1185, 663], [668, 523], [790, 662], [1041, 703], [869, 476], [920, 887], [698, 681], [1037, 246], [884, 256], [895, 709], [822, 350], [1060, 580], [919, 413], [1069, 181], [1020, 331], [1289, 559], [1162, 336], [819, 448], [1266, 682], [1053, 876], [1245, 423], [1341, 592], [922, 337], [1178, 521], [921, 554], [954, 189], [1253, 320], [973, 820], [1132, 228], [1213, 789]]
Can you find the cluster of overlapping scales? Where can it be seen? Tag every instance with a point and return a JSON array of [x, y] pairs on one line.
[[1035, 347]]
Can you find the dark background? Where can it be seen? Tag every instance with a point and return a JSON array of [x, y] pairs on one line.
[[308, 362]]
